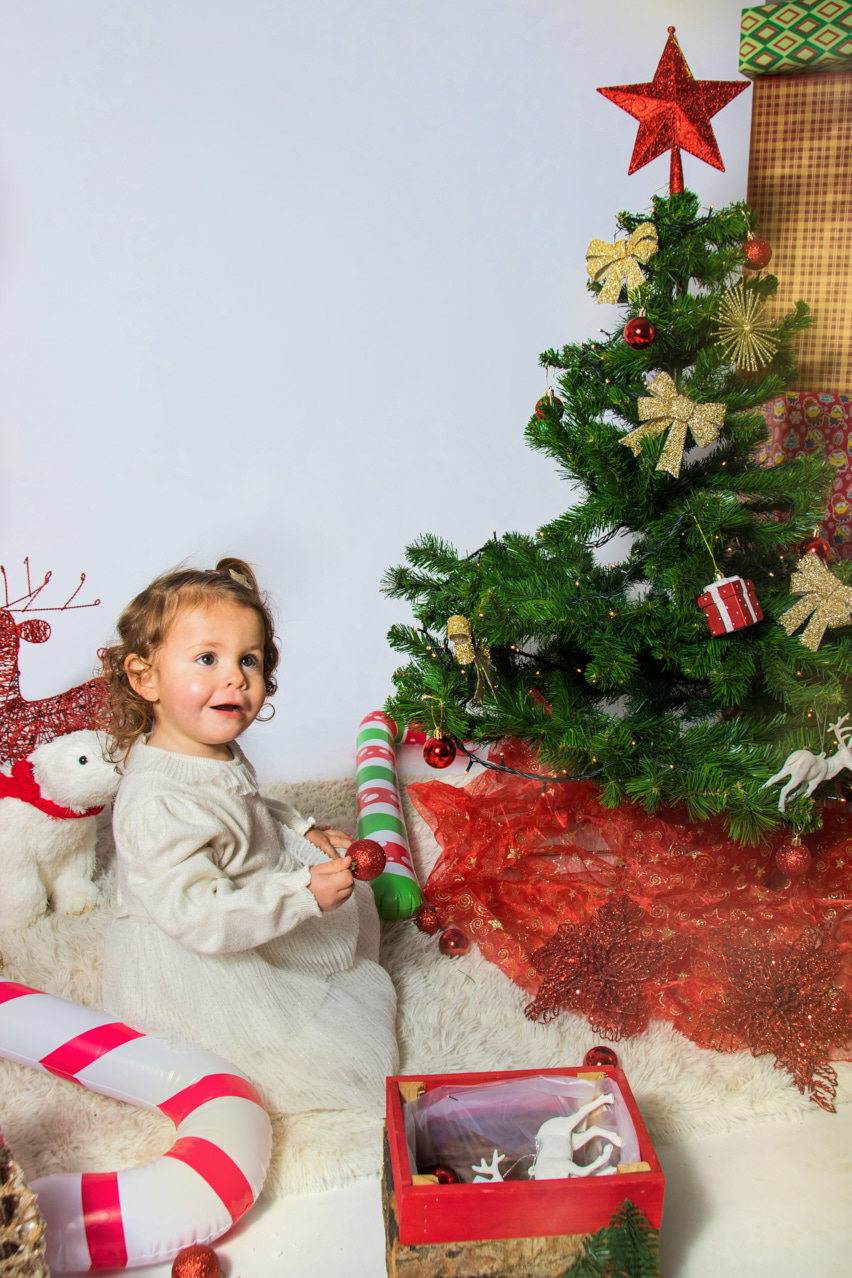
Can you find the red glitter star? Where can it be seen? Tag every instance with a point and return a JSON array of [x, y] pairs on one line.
[[674, 113]]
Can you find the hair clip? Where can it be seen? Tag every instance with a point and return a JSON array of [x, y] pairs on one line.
[[240, 579]]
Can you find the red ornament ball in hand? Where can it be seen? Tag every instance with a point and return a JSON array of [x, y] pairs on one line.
[[793, 859], [601, 1058], [368, 859], [757, 254], [439, 752], [639, 333], [427, 919], [197, 1261], [817, 546], [453, 943], [547, 403], [445, 1174]]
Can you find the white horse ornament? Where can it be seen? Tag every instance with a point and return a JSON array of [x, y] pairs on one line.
[[558, 1140]]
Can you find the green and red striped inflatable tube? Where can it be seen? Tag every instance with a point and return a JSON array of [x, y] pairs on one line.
[[380, 817]]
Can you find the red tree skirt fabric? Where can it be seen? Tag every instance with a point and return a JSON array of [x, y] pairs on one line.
[[622, 916]]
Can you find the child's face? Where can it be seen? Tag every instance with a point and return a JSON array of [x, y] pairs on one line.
[[206, 682]]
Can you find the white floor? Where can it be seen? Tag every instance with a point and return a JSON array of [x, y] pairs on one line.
[[772, 1201]]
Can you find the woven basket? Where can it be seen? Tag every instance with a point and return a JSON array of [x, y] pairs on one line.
[[21, 1225]]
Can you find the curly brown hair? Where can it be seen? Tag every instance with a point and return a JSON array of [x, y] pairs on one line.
[[145, 622]]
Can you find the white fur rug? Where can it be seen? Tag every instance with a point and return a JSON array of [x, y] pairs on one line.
[[461, 1014]]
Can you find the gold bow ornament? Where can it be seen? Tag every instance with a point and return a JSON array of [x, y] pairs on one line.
[[826, 598], [664, 408], [617, 263], [466, 649]]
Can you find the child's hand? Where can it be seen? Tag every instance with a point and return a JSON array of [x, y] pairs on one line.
[[328, 840], [332, 883]]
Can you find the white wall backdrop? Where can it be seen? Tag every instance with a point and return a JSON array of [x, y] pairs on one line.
[[274, 278]]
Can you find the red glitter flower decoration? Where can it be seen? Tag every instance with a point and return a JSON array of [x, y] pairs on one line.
[[783, 998], [674, 112], [598, 969]]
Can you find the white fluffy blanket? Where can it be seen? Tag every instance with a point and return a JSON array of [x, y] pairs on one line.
[[460, 1014]]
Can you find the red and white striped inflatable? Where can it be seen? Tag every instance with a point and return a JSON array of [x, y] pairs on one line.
[[379, 809], [209, 1178]]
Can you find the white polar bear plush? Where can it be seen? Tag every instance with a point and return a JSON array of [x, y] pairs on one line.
[[48, 804]]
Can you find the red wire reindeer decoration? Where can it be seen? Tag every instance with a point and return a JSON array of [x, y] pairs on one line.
[[26, 724]]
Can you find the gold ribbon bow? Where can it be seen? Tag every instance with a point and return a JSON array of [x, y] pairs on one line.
[[667, 408], [825, 596], [618, 262], [466, 649]]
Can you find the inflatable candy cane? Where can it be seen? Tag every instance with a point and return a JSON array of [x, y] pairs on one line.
[[209, 1178], [397, 892]]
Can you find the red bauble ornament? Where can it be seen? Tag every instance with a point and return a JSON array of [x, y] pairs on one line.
[[817, 546], [601, 1058], [551, 402], [674, 113], [197, 1261], [439, 752], [757, 254], [639, 333], [427, 919], [793, 859], [368, 859], [453, 943], [445, 1174]]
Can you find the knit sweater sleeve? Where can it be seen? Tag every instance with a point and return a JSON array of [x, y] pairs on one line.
[[287, 815], [173, 859]]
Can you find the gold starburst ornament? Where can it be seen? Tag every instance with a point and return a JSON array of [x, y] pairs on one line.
[[745, 335]]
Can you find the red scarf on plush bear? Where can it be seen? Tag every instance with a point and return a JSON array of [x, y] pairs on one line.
[[23, 785]]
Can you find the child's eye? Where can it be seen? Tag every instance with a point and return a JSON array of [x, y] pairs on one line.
[[206, 659], [249, 660]]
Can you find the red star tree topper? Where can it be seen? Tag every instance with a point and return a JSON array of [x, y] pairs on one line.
[[674, 112]]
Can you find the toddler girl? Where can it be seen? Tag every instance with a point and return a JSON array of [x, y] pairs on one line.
[[237, 926]]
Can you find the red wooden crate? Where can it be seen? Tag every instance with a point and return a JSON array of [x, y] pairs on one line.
[[515, 1209]]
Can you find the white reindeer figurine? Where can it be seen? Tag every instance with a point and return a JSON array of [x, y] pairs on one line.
[[806, 770], [558, 1140]]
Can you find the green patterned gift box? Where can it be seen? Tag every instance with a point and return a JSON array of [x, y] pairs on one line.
[[808, 35]]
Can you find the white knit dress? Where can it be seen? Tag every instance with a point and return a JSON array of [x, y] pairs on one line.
[[218, 942]]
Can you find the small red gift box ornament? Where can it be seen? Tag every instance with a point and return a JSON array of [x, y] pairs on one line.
[[730, 604]]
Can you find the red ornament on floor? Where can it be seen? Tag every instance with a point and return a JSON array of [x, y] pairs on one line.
[[198, 1261], [445, 1174], [793, 859], [368, 859], [427, 919], [639, 333], [439, 752], [453, 943], [551, 402], [601, 1058], [817, 546], [757, 254]]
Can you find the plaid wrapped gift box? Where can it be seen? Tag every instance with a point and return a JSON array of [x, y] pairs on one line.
[[805, 423], [806, 35], [800, 187]]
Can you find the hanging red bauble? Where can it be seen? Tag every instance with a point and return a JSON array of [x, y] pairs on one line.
[[639, 333], [368, 859], [198, 1261], [817, 546], [548, 402], [453, 943], [793, 859], [445, 1174], [757, 253], [427, 919], [601, 1058], [674, 113], [439, 752]]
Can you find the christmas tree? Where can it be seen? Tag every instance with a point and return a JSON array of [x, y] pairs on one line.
[[610, 669]]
